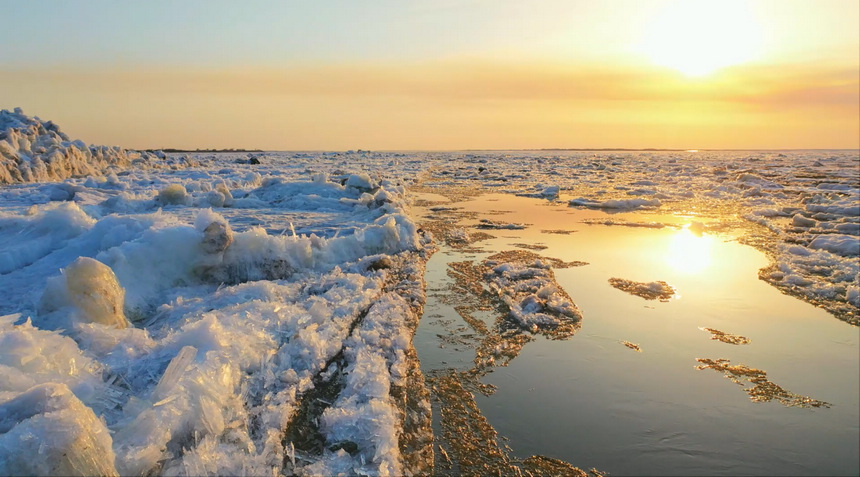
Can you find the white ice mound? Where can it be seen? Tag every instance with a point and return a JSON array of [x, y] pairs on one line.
[[47, 430], [361, 181], [174, 194], [845, 245], [32, 150], [92, 289]]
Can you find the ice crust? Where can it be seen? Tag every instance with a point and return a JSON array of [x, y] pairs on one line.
[[241, 283]]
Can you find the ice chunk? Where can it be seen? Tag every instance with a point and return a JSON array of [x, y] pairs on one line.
[[222, 189], [174, 371], [92, 289], [647, 290], [550, 191], [845, 245], [47, 430], [217, 235], [361, 181], [801, 221], [174, 194]]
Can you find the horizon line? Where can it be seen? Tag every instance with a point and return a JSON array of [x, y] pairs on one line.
[[548, 149]]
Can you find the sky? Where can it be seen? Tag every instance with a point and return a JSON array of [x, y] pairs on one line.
[[439, 75]]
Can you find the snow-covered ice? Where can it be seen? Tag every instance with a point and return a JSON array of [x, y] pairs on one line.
[[170, 314]]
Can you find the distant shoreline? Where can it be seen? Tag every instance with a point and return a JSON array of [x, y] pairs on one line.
[[550, 149], [172, 150]]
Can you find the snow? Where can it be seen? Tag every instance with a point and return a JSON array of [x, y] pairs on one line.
[[168, 314]]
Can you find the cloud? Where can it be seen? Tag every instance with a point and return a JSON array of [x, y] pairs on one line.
[[464, 82]]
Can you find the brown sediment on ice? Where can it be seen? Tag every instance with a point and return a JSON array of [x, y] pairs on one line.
[[726, 337], [516, 256], [521, 286], [443, 223], [466, 443], [762, 390], [404, 276], [530, 246], [658, 290], [431, 185], [470, 445], [496, 225], [633, 346], [627, 223]]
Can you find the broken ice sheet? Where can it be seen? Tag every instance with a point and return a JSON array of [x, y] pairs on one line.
[[658, 290], [762, 390], [726, 337]]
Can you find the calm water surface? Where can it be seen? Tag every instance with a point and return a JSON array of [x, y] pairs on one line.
[[593, 402]]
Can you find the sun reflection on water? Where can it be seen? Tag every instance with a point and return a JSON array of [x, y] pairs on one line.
[[690, 251]]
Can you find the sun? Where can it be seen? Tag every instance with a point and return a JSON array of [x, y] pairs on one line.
[[699, 37], [689, 251]]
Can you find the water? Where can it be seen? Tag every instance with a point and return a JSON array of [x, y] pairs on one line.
[[594, 402]]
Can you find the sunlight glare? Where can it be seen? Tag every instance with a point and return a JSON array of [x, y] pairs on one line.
[[690, 252], [698, 37]]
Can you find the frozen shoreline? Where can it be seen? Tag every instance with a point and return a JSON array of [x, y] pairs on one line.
[[251, 289]]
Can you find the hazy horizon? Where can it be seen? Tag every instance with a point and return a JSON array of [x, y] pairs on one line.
[[440, 76]]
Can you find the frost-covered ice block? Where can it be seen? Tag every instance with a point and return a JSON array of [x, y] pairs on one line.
[[92, 289], [361, 181], [174, 194], [217, 234], [95, 291], [47, 430], [174, 372]]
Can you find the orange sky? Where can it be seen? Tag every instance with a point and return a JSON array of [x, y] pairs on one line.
[[548, 90]]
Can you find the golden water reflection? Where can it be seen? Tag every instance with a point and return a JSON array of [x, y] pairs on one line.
[[690, 252]]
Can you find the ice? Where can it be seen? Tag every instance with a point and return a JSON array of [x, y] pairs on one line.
[[26, 239], [174, 371], [46, 430], [801, 221], [91, 289], [845, 245], [533, 298], [288, 272], [647, 290], [32, 150], [617, 204], [174, 194]]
